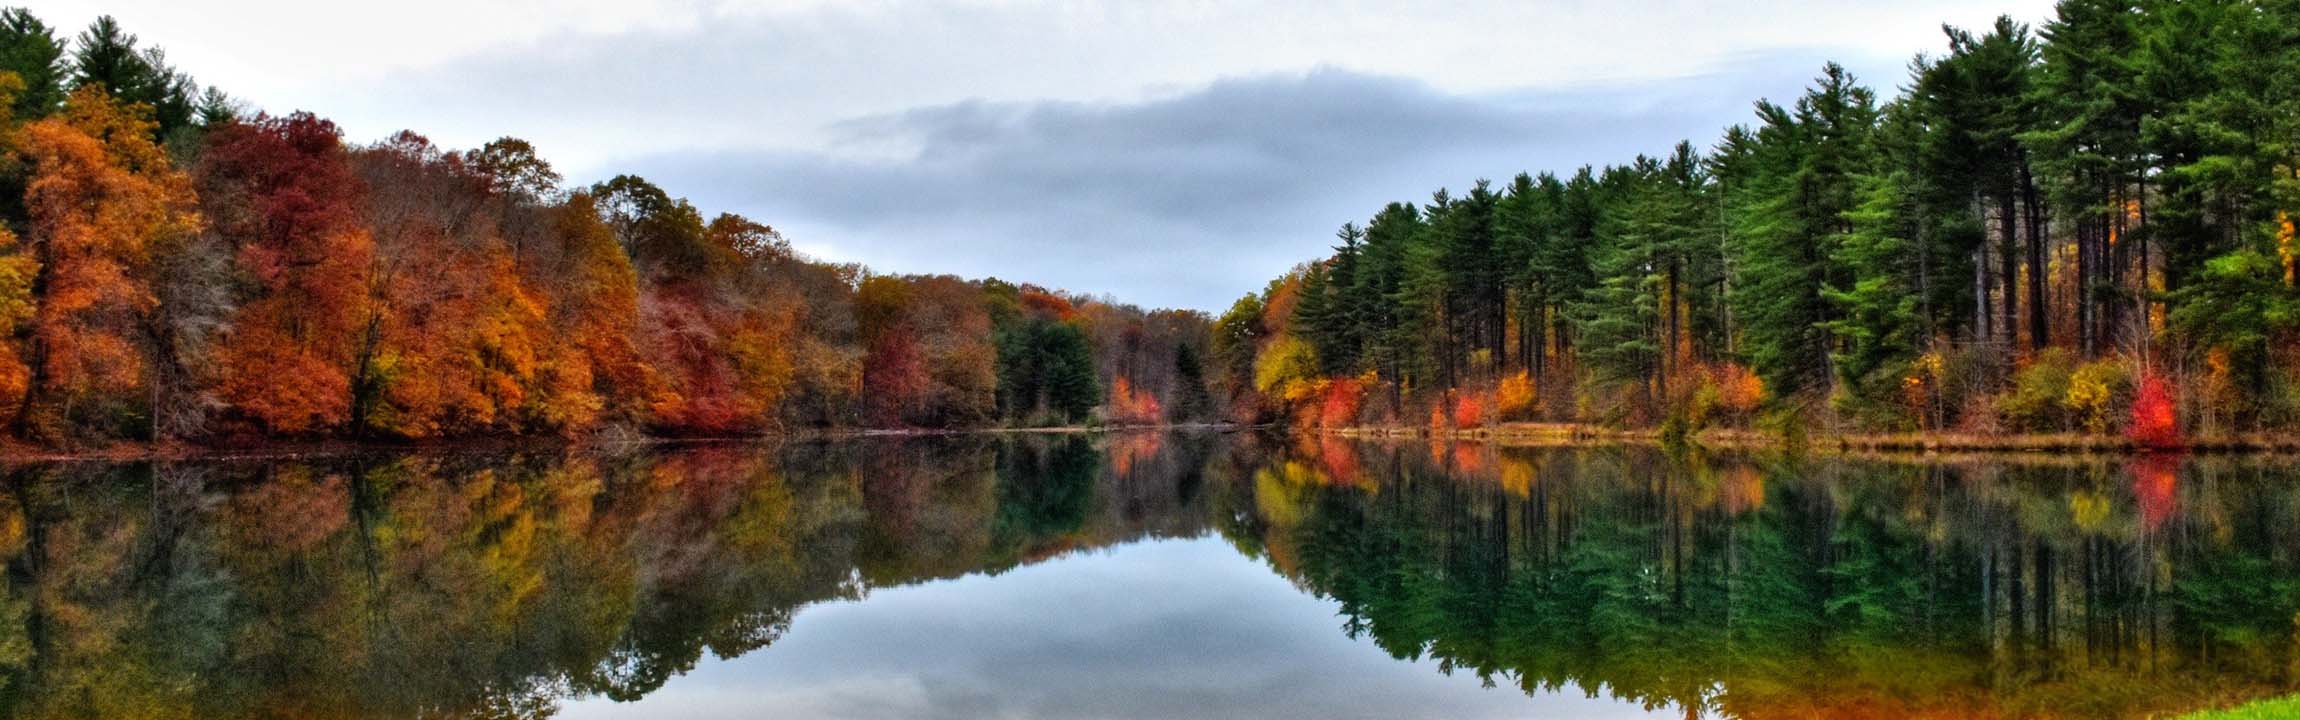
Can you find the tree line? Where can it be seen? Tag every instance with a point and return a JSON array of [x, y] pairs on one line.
[[174, 267], [2086, 226]]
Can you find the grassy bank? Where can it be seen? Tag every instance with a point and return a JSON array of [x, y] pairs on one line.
[[2277, 709]]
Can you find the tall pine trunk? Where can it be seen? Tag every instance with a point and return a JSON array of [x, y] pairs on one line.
[[2040, 334]]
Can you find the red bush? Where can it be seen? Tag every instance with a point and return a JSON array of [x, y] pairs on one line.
[[1469, 410], [2155, 416], [1338, 408]]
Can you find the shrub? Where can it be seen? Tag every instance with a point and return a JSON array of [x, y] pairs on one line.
[[1966, 381], [1739, 391], [1788, 424], [2035, 401], [1513, 400], [1469, 410], [1882, 400], [2155, 416], [1703, 405], [1340, 402], [2095, 391], [1921, 388], [2280, 400], [1675, 429], [1287, 368]]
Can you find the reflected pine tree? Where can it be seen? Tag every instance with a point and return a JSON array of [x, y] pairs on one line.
[[1770, 587]]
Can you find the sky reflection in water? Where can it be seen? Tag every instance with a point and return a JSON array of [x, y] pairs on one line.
[[1154, 629]]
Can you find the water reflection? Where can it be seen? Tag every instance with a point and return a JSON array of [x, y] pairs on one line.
[[1574, 581], [1770, 588]]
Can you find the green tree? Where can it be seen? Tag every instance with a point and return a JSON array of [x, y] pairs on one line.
[[31, 50], [1045, 365], [1791, 183], [106, 56]]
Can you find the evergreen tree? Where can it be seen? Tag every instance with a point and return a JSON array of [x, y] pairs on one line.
[[1796, 183], [106, 56], [1045, 365], [1883, 315], [31, 50], [1192, 402], [1617, 321], [2087, 148]]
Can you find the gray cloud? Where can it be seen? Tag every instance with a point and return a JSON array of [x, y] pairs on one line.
[[1083, 144], [1191, 199]]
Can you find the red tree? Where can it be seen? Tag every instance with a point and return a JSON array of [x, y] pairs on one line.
[[281, 191]]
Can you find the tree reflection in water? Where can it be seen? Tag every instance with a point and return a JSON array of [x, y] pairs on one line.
[[500, 585]]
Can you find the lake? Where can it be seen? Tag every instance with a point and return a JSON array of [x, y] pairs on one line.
[[1146, 575]]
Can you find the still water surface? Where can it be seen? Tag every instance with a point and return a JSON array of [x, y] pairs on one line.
[[1146, 575]]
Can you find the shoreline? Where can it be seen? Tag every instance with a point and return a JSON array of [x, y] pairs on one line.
[[1516, 434], [1581, 434], [17, 453]]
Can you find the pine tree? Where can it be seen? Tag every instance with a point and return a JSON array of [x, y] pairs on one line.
[[106, 56], [31, 50], [1795, 183]]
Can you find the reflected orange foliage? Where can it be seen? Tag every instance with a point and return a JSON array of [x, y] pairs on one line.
[[1518, 474], [1338, 456], [1471, 458], [1128, 449], [294, 510], [1743, 488], [2156, 488]]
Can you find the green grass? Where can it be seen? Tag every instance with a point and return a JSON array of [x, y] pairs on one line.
[[2277, 709]]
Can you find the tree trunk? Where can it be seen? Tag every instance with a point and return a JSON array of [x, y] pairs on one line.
[[2040, 334], [2008, 264]]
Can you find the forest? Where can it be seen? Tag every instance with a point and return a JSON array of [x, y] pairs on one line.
[[2083, 227], [177, 269]]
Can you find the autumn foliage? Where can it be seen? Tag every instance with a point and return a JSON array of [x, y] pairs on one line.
[[283, 191], [2155, 414], [1469, 409], [1130, 405], [101, 201], [1339, 404], [1514, 399], [261, 277]]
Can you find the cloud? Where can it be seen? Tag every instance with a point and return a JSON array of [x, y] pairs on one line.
[[1187, 200], [1169, 153]]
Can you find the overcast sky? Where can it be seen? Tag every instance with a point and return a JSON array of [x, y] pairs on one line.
[[1170, 154]]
